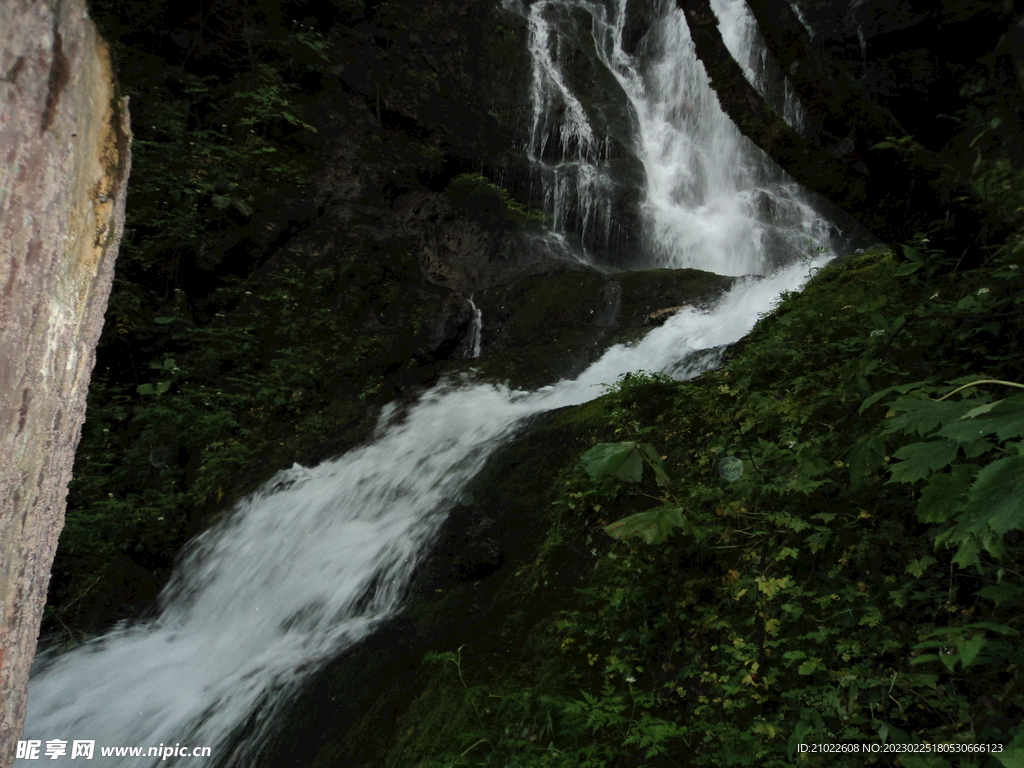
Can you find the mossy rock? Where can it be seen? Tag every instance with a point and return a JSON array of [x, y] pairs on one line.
[[546, 327]]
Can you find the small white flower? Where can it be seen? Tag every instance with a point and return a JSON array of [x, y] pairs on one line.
[[982, 290], [1012, 266], [630, 679], [877, 332]]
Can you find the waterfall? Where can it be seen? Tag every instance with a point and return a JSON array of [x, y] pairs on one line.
[[317, 558], [709, 197]]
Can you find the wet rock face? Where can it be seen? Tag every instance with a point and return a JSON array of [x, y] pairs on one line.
[[546, 327], [64, 162], [467, 253]]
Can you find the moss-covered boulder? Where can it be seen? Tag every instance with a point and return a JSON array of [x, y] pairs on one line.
[[545, 327]]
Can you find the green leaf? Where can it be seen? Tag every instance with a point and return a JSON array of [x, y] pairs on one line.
[[1000, 593], [996, 499], [917, 567], [620, 460], [995, 505], [802, 729], [918, 460], [924, 416], [900, 388], [809, 667], [153, 389], [945, 494], [660, 473], [970, 648], [653, 526], [1003, 418]]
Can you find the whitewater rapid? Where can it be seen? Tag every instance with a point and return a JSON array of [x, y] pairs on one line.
[[316, 559]]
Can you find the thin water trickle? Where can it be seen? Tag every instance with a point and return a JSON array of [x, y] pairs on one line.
[[315, 560], [476, 330]]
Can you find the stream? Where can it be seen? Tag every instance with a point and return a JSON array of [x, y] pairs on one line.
[[316, 559]]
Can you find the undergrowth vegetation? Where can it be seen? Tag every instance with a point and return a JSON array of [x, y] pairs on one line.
[[837, 523]]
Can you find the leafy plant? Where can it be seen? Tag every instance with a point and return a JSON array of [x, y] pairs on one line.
[[971, 457], [625, 461]]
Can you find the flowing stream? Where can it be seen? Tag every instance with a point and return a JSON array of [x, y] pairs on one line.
[[316, 559]]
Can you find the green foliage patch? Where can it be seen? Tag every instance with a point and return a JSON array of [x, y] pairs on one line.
[[856, 575]]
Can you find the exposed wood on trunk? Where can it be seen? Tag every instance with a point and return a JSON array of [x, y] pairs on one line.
[[64, 161]]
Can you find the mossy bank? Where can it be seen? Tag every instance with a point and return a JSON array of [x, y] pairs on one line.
[[803, 612]]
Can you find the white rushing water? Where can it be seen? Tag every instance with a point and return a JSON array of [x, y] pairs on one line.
[[317, 558], [710, 200]]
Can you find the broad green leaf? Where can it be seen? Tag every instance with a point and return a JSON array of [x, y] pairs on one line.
[[996, 499], [918, 460], [945, 494], [619, 460], [660, 473], [924, 416], [153, 389], [981, 409], [653, 526], [1010, 416], [809, 667], [969, 551], [900, 388], [1003, 418], [992, 626], [1000, 593], [970, 648], [976, 448]]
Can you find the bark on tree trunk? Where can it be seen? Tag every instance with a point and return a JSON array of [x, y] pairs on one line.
[[894, 192], [64, 162]]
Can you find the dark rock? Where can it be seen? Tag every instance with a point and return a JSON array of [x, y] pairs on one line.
[[545, 327]]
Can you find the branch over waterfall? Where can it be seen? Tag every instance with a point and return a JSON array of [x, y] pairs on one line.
[[895, 190]]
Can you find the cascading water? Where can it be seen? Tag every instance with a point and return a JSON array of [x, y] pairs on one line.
[[315, 560], [709, 199]]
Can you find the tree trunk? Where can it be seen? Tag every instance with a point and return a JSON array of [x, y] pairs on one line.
[[64, 161], [895, 192]]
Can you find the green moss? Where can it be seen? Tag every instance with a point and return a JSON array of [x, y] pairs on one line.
[[475, 195]]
